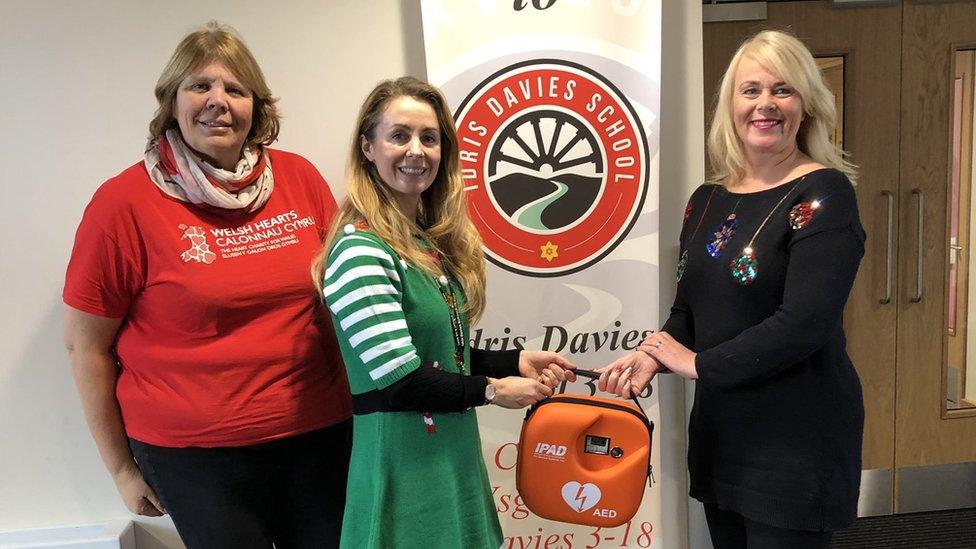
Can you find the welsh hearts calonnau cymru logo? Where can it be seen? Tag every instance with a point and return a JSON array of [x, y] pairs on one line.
[[555, 166]]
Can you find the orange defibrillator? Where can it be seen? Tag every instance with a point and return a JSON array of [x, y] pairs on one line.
[[584, 459]]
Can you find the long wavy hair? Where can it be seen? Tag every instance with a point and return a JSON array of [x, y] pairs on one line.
[[443, 217], [784, 55]]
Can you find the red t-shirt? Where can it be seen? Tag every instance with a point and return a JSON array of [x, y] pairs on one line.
[[224, 341]]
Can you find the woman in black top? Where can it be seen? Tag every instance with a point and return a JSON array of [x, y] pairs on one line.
[[768, 257]]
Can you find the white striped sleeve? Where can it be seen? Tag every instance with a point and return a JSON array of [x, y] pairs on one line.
[[363, 290]]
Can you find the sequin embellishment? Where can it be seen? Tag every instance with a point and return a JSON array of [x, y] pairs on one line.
[[802, 213], [428, 417], [724, 233], [679, 271], [745, 267]]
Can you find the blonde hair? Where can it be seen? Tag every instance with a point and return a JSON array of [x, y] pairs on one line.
[[216, 43], [784, 55], [443, 214]]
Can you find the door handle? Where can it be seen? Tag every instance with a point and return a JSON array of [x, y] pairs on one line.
[[889, 254], [955, 251], [919, 277]]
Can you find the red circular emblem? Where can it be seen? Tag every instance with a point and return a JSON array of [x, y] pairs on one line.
[[555, 166]]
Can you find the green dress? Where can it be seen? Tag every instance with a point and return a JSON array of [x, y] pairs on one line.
[[414, 481]]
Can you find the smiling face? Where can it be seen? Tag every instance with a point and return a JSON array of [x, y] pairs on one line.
[[405, 147], [767, 111], [214, 112]]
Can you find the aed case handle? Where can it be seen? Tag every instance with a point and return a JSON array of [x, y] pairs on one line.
[[594, 375]]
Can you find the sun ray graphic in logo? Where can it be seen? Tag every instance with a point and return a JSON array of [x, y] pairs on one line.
[[553, 158], [546, 170]]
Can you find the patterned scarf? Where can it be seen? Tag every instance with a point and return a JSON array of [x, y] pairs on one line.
[[180, 173]]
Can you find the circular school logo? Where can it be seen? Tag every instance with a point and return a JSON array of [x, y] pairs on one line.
[[555, 166]]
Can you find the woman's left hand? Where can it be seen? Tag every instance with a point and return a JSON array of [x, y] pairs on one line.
[[547, 367], [672, 354]]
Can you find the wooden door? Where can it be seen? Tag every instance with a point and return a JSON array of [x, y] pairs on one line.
[[958, 339], [936, 452], [869, 41]]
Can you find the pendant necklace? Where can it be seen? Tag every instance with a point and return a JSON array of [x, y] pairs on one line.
[[444, 285], [723, 233], [745, 268], [804, 212], [679, 271], [447, 292]]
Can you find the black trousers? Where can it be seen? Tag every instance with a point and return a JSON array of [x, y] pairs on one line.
[[730, 530], [289, 492]]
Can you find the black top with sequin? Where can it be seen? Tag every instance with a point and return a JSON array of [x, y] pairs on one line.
[[776, 429]]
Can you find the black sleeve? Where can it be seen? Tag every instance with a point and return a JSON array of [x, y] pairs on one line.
[[428, 389], [680, 323], [824, 256], [496, 364]]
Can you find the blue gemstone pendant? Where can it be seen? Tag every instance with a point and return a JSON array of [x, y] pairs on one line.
[[722, 236]]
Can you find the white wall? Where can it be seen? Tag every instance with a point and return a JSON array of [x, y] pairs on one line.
[[682, 170], [76, 83], [75, 101]]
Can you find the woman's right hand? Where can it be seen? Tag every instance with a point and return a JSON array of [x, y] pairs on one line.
[[89, 339], [629, 375], [518, 392], [136, 493]]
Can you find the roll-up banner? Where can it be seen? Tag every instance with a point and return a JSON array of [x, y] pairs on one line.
[[557, 104]]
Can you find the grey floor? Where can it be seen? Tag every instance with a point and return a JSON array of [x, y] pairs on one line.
[[954, 529]]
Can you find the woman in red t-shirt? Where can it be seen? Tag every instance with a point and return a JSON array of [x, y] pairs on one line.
[[208, 373]]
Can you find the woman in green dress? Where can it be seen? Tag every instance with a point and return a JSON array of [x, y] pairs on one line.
[[404, 276]]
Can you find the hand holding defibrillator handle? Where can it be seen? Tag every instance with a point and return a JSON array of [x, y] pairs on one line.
[[547, 367], [630, 374], [596, 375]]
